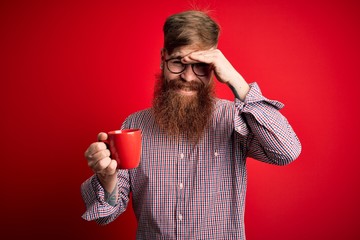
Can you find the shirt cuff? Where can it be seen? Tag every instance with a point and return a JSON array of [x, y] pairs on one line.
[[94, 197], [255, 104], [255, 96]]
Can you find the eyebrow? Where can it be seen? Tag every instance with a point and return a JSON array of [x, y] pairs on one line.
[[175, 56]]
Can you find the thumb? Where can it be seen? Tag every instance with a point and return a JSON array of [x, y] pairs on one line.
[[102, 136]]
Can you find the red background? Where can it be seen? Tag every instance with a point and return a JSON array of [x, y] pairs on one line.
[[70, 69]]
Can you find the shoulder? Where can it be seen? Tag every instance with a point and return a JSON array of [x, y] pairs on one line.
[[138, 119], [223, 105], [219, 103], [224, 110], [140, 114]]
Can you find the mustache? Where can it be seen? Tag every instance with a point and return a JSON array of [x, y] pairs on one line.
[[178, 84]]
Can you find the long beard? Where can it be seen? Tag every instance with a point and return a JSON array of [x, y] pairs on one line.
[[183, 115]]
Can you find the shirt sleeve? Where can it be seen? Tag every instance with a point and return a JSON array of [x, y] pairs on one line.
[[270, 138], [97, 208]]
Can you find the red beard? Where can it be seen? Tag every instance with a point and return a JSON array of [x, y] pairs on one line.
[[183, 115]]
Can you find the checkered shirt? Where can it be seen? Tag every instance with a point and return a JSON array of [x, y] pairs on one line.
[[186, 191]]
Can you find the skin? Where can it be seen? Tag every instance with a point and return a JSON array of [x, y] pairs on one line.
[[98, 156], [222, 68]]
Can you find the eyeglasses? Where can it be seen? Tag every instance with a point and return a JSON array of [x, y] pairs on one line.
[[174, 65]]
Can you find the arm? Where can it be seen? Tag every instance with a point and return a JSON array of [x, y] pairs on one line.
[[100, 209], [223, 70], [270, 137], [105, 194]]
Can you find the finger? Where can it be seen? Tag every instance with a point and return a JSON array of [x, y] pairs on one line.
[[111, 168], [101, 165], [101, 154], [94, 148], [191, 58], [199, 56], [102, 136], [92, 161]]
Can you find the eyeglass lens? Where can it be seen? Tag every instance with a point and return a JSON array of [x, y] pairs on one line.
[[176, 66]]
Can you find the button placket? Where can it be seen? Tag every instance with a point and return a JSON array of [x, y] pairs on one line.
[[183, 162], [180, 186]]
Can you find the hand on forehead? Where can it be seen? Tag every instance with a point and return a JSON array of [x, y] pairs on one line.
[[190, 54]]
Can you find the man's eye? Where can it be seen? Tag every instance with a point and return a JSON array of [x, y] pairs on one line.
[[177, 62], [202, 65]]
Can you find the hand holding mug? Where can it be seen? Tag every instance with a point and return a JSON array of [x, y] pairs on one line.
[[98, 157], [125, 147], [124, 152]]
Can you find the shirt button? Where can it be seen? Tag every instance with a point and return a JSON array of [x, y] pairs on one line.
[[216, 154], [181, 185], [181, 155], [180, 217]]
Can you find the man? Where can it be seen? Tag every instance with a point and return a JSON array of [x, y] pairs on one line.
[[191, 181]]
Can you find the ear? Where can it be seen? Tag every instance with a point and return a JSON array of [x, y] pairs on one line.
[[162, 54]]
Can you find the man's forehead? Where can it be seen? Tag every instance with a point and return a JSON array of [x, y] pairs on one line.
[[183, 51]]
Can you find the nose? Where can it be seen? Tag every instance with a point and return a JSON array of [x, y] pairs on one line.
[[188, 74]]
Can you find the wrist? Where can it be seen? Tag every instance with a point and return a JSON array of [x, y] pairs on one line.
[[239, 87], [111, 198], [108, 182]]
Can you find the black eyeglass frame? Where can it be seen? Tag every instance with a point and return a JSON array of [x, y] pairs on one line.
[[184, 67]]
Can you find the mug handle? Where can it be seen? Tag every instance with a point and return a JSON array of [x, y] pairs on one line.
[[106, 143]]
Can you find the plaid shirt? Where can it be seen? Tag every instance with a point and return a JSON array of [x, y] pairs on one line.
[[185, 191]]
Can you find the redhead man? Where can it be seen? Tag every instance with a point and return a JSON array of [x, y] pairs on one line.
[[191, 181]]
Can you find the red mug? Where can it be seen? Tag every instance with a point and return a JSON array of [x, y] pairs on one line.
[[125, 147]]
